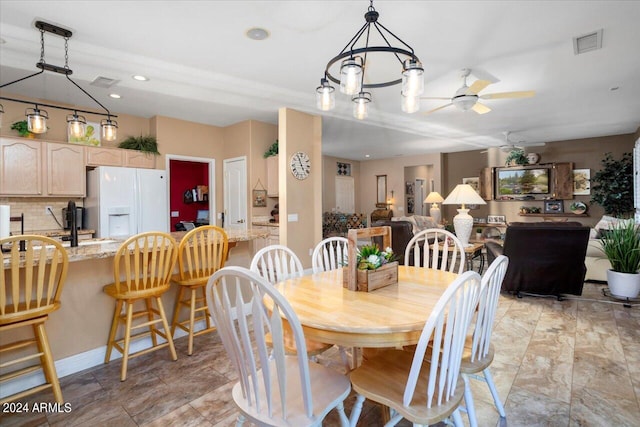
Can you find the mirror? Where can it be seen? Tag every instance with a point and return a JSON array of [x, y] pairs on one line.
[[381, 185]]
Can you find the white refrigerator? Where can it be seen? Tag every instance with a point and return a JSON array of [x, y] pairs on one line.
[[122, 202]]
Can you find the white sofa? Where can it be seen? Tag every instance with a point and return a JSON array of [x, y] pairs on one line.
[[419, 222], [596, 262]]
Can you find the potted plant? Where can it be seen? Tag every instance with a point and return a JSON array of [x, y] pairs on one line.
[[146, 144], [272, 150], [621, 245], [516, 157], [23, 129], [478, 233], [612, 186]]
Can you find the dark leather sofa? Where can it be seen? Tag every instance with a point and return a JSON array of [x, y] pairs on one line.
[[401, 233], [545, 258]]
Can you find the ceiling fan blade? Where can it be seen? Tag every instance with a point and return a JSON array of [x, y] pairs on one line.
[[521, 94], [436, 109], [480, 108], [477, 86], [432, 97]]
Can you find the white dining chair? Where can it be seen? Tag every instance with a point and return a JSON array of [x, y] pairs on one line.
[[423, 386], [435, 248], [276, 263], [330, 254], [274, 388], [479, 352]]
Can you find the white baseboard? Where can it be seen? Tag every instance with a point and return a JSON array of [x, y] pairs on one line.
[[81, 361]]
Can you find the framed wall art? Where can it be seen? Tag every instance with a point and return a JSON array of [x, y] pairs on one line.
[[91, 135], [553, 206], [496, 219], [259, 198], [582, 181]]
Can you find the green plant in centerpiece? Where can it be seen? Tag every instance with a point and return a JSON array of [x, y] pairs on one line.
[[612, 186], [621, 245], [517, 157], [146, 144], [370, 257], [272, 150]]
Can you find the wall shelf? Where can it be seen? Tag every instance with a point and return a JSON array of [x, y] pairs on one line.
[[556, 215]]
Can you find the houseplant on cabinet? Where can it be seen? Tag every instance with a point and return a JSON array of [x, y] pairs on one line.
[[621, 245], [612, 186], [146, 144]]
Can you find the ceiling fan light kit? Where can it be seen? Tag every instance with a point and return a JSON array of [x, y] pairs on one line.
[[36, 117], [353, 65]]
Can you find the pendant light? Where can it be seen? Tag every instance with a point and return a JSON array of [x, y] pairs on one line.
[[325, 96], [361, 105], [36, 120], [109, 129], [76, 125]]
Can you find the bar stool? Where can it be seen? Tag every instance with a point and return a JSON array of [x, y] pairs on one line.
[[31, 282], [202, 252], [146, 261]]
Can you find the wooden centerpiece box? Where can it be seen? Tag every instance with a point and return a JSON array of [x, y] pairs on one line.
[[368, 280]]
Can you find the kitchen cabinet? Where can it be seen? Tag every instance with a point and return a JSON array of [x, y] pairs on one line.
[[101, 156], [65, 170], [21, 167], [138, 159], [272, 176], [272, 239]]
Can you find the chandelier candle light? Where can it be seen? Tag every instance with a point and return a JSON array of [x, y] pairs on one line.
[[36, 117], [353, 65], [463, 195], [434, 198]]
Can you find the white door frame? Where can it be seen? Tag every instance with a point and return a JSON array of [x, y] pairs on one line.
[[245, 224], [213, 217]]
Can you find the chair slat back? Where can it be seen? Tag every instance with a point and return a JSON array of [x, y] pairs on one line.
[[445, 332], [437, 249], [487, 307], [330, 254], [202, 252], [37, 285], [276, 263], [242, 331], [146, 260]]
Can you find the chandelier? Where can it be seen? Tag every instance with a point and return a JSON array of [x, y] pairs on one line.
[[37, 118], [353, 66]]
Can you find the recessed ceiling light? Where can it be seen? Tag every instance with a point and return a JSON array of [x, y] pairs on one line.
[[140, 78], [367, 156], [257, 33], [115, 96]]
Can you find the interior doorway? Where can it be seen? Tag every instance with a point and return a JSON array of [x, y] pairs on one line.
[[235, 193], [194, 175]]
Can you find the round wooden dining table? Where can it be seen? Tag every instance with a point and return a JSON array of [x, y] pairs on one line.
[[386, 317]]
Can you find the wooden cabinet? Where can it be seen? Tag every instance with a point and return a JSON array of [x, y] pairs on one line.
[[100, 156], [563, 180], [485, 183], [65, 170], [21, 167], [138, 159], [272, 176]]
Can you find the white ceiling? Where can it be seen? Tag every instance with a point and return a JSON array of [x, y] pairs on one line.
[[203, 68]]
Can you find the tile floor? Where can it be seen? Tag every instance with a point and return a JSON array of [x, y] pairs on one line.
[[574, 362]]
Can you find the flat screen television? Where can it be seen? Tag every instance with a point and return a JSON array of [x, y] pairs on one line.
[[522, 183]]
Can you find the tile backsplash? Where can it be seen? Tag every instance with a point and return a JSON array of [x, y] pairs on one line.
[[35, 216]]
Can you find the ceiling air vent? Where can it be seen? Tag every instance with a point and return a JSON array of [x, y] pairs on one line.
[[587, 42], [105, 82]]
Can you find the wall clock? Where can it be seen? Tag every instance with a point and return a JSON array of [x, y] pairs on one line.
[[300, 165]]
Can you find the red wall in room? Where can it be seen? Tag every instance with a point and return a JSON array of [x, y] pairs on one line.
[[186, 175]]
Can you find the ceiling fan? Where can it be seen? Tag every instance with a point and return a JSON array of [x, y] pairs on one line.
[[466, 98], [518, 144]]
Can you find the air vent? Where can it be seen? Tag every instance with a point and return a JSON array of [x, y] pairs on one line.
[[105, 82], [587, 42]]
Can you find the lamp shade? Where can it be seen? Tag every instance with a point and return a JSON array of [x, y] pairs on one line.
[[464, 194], [434, 197]]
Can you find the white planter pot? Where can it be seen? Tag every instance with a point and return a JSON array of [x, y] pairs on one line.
[[623, 285]]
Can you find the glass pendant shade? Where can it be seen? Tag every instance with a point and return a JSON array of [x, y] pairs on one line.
[[109, 129], [351, 76], [361, 105], [1, 114], [412, 78], [325, 96], [36, 120], [410, 104], [76, 125]]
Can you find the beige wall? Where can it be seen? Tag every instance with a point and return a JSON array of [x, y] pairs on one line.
[[394, 168], [329, 173], [300, 132], [585, 153]]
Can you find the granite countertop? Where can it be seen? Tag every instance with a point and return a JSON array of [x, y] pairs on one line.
[[103, 248], [57, 232], [265, 224]]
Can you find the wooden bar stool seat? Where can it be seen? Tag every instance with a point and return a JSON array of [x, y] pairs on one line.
[[142, 271], [201, 252], [31, 283]]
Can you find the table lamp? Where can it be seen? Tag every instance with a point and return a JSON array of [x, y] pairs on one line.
[[463, 194], [434, 198]]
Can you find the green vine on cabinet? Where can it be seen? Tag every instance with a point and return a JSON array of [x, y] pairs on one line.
[[272, 150]]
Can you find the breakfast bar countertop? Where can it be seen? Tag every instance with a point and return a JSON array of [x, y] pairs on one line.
[[57, 232], [106, 247]]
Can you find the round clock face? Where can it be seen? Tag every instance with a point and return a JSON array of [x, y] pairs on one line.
[[300, 165]]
